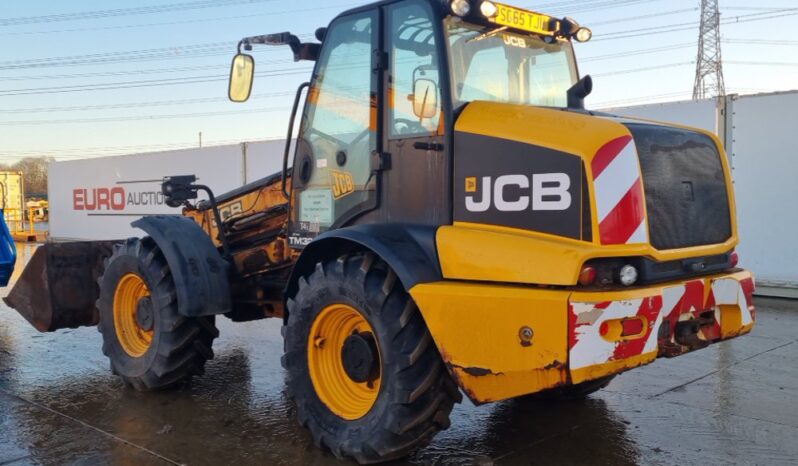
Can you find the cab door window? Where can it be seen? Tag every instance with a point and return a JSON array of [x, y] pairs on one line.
[[414, 70], [332, 172]]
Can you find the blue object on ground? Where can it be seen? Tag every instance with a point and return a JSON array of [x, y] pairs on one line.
[[8, 252]]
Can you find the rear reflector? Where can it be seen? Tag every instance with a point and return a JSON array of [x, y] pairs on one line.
[[623, 329], [632, 327]]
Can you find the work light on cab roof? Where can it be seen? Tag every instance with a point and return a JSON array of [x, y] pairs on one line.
[[510, 17]]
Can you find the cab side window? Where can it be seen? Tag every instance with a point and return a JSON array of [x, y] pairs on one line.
[[414, 95], [333, 165]]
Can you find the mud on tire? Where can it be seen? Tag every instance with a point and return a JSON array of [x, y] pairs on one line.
[[180, 345], [416, 393]]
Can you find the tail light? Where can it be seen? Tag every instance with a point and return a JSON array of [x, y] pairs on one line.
[[734, 258], [587, 276]]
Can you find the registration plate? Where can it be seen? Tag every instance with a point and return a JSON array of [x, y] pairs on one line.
[[524, 20]]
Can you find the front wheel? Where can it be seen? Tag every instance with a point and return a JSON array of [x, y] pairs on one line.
[[366, 377], [150, 345]]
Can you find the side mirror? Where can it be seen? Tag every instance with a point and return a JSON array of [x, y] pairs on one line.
[[242, 73], [425, 98]]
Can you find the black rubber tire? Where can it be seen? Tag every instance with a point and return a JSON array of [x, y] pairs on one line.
[[572, 392], [416, 395], [180, 345]]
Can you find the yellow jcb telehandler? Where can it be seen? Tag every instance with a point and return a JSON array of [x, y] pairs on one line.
[[454, 221]]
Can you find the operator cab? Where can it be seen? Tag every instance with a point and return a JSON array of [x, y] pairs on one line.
[[375, 143]]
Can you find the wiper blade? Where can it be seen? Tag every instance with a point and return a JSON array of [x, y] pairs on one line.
[[487, 35]]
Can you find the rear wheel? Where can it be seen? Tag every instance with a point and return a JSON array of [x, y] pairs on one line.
[[150, 345], [365, 375]]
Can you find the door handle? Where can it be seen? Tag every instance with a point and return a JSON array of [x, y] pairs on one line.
[[428, 146]]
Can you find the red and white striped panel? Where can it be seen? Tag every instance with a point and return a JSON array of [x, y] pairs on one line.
[[619, 193], [727, 292], [587, 347]]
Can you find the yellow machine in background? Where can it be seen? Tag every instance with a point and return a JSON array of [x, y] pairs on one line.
[[38, 210]]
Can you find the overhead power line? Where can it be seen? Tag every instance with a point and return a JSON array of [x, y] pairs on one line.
[[760, 42], [762, 63], [225, 48], [645, 68], [127, 105], [642, 99], [101, 74], [180, 52], [135, 84], [81, 153], [140, 118], [639, 17], [631, 53], [144, 10], [175, 23], [572, 7], [692, 25]]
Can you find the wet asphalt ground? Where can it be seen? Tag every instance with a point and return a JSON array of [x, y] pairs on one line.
[[733, 403]]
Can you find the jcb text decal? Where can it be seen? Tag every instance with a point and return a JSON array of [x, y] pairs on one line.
[[517, 193], [513, 184], [342, 183]]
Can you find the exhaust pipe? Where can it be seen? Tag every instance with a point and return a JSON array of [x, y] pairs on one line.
[[58, 288]]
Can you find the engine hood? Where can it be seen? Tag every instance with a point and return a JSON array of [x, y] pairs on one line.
[[570, 174]]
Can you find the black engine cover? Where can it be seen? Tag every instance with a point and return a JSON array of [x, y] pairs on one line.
[[685, 186]]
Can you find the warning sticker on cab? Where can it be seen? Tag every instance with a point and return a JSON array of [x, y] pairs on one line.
[[316, 206]]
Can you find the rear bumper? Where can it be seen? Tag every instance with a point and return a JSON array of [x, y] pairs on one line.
[[576, 336], [677, 318]]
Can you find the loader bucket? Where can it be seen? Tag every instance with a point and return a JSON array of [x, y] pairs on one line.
[[58, 288]]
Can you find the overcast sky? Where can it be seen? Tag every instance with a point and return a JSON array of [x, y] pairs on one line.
[[90, 78]]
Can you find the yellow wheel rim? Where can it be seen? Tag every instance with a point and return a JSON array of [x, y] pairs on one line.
[[342, 395], [133, 339]]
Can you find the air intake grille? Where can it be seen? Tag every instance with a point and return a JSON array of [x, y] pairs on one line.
[[685, 187]]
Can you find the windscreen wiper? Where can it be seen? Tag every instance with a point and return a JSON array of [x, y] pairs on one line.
[[487, 35]]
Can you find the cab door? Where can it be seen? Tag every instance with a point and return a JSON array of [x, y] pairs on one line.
[[333, 180], [417, 188]]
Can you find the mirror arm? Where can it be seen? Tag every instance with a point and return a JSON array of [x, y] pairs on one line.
[[301, 51], [290, 136], [306, 51]]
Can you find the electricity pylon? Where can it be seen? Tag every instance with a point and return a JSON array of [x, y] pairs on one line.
[[709, 65]]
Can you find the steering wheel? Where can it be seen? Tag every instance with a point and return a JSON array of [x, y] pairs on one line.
[[405, 126]]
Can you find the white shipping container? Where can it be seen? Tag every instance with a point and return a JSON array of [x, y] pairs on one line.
[[765, 160], [97, 199], [265, 158], [697, 114]]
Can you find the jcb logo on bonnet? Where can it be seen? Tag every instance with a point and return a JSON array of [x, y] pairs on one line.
[[516, 193]]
